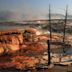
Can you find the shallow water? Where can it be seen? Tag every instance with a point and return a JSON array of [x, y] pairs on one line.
[[4, 27], [54, 69]]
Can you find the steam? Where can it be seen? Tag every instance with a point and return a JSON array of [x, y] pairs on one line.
[[15, 16], [12, 16]]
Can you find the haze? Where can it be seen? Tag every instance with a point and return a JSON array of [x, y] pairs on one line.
[[32, 9]]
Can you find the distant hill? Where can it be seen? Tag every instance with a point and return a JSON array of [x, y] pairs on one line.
[[60, 16], [57, 16]]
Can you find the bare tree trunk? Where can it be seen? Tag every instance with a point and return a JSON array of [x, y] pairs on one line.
[[64, 32], [49, 41], [50, 23], [49, 57]]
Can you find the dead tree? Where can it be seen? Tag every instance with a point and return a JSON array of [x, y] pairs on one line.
[[50, 23], [64, 31], [49, 41]]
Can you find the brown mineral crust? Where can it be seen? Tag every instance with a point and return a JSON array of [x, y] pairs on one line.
[[10, 43], [5, 61], [45, 37], [42, 38], [20, 38], [2, 49], [8, 48], [2, 32], [20, 62], [6, 65], [34, 48], [31, 30], [12, 48]]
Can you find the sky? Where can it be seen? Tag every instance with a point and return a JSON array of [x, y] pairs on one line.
[[34, 9]]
